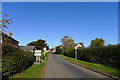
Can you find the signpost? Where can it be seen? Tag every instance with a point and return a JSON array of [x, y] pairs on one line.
[[44, 48], [37, 54], [76, 47]]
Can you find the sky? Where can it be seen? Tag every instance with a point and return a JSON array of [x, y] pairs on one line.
[[60, 0], [50, 21]]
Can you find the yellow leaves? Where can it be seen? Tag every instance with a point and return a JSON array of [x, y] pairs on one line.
[[4, 21]]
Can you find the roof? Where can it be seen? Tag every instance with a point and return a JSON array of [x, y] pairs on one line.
[[80, 44], [26, 47], [8, 36]]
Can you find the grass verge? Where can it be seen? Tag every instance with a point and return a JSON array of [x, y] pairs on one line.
[[35, 71], [114, 72]]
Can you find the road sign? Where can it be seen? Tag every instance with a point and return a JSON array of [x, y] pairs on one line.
[[76, 47], [44, 48], [37, 53]]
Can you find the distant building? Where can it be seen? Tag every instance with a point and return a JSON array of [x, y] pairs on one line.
[[6, 39], [80, 45], [28, 48], [52, 49]]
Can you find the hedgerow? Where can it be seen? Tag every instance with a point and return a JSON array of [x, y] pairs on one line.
[[15, 61], [106, 55]]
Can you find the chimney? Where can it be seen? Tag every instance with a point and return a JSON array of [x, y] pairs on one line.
[[9, 34]]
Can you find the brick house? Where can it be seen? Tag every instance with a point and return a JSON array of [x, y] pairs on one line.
[[6, 39]]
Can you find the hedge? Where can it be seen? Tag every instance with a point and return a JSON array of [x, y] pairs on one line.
[[68, 51], [106, 55], [15, 61]]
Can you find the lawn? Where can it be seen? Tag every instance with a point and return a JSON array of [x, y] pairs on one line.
[[115, 72], [35, 71]]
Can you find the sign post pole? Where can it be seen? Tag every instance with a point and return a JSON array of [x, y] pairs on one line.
[[37, 54], [39, 58], [75, 52]]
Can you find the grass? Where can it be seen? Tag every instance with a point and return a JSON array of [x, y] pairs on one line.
[[115, 72], [35, 71], [0, 69]]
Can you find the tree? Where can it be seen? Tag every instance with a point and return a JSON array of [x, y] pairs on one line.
[[97, 42], [4, 21], [39, 44], [67, 41], [58, 50], [109, 44]]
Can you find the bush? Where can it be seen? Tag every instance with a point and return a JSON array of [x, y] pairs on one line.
[[69, 51], [15, 60], [43, 55], [58, 50], [106, 55]]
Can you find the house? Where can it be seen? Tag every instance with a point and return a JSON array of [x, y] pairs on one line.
[[80, 45], [6, 39], [53, 49], [28, 48]]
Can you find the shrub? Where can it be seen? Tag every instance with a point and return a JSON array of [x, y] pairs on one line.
[[106, 55], [69, 51], [15, 60], [58, 50]]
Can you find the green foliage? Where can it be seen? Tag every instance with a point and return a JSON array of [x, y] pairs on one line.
[[97, 42], [98, 67], [69, 51], [33, 72], [15, 60], [43, 55], [39, 44], [106, 55], [67, 41], [58, 50]]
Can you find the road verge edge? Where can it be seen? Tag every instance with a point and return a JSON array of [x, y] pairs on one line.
[[74, 62]]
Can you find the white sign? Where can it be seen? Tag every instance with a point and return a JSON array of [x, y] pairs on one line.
[[79, 45], [76, 47], [37, 53], [44, 48]]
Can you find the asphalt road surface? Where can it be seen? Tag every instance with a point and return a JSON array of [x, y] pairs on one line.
[[58, 67]]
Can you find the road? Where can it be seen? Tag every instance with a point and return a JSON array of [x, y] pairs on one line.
[[58, 67]]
